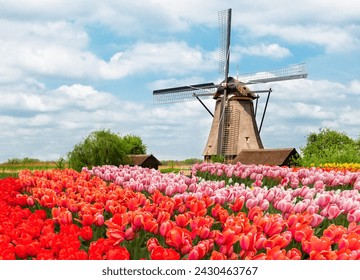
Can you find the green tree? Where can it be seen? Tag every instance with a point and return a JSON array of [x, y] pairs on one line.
[[329, 146], [98, 148], [134, 145]]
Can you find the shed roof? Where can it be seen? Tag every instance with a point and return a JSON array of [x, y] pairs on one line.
[[140, 159], [266, 156]]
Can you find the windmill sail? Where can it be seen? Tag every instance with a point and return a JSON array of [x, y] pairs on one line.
[[291, 72], [224, 41], [184, 93], [225, 33]]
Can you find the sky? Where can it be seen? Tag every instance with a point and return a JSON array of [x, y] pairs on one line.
[[69, 68]]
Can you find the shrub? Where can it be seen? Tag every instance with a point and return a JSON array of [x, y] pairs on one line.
[[330, 146], [99, 148]]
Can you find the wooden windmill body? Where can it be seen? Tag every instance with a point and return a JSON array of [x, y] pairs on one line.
[[240, 130], [234, 126]]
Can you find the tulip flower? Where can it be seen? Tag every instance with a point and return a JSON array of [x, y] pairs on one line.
[[215, 255], [86, 233], [160, 253], [354, 215]]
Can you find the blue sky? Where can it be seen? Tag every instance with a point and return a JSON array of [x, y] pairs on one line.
[[71, 67]]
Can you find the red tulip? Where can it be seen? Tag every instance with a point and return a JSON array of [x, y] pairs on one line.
[[276, 253], [351, 241], [316, 244], [254, 213], [238, 204], [118, 253], [65, 217], [116, 234], [276, 241], [197, 207], [152, 243], [301, 232], [151, 225], [20, 251], [86, 233], [162, 217], [215, 210], [215, 255], [246, 242], [258, 257], [182, 220], [294, 254], [87, 219], [203, 232], [226, 237], [48, 201], [199, 251], [137, 220], [334, 233], [323, 255], [273, 227], [179, 238], [160, 253], [165, 227]]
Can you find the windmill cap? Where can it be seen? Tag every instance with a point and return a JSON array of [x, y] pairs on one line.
[[235, 87]]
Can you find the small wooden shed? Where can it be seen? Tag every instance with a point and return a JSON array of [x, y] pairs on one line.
[[148, 161], [280, 157]]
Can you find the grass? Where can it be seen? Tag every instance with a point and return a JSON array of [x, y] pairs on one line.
[[12, 170]]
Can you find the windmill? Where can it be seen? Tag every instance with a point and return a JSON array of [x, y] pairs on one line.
[[234, 125]]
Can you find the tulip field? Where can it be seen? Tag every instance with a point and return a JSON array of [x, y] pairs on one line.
[[219, 212]]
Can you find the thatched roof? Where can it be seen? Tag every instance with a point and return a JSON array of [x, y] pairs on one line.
[[278, 157]]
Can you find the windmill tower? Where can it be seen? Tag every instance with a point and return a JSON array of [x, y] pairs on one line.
[[234, 126]]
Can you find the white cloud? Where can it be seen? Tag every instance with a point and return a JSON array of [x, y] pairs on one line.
[[169, 57], [332, 38], [355, 86], [271, 50]]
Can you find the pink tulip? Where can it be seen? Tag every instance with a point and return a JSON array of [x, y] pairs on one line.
[[269, 195], [357, 185], [169, 191], [284, 206], [30, 201], [319, 185], [98, 219], [258, 183], [312, 208], [317, 219], [264, 205], [354, 215], [250, 203], [331, 211], [347, 205], [324, 200], [299, 207]]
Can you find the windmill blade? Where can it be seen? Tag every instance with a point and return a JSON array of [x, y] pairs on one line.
[[224, 41], [184, 93], [224, 58], [297, 71]]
